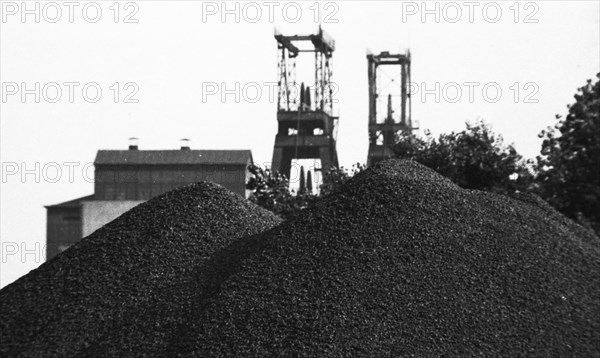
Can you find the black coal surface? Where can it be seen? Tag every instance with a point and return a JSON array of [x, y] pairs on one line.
[[106, 282], [401, 262], [398, 262]]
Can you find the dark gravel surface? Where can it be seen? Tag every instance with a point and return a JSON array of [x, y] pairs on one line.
[[401, 262], [70, 305]]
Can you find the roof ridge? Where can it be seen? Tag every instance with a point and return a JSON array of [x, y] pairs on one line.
[[173, 156]]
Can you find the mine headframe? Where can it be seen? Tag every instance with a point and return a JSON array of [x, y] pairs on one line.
[[390, 110], [306, 124]]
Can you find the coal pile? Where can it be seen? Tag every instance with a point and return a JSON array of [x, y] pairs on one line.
[[398, 262], [401, 262], [107, 281]]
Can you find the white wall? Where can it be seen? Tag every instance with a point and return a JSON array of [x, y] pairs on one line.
[[95, 214]]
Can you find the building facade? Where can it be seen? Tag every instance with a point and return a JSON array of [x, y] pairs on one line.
[[126, 178]]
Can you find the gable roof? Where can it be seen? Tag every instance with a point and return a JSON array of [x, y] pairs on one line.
[[172, 157]]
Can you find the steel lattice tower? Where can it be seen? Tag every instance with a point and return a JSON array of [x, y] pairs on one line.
[[306, 129], [384, 127]]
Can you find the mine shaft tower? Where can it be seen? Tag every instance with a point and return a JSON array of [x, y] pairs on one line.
[[383, 127], [306, 129]]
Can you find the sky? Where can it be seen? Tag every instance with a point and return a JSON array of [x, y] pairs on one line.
[[83, 76]]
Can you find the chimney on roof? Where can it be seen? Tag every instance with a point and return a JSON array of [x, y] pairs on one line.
[[133, 143], [185, 144]]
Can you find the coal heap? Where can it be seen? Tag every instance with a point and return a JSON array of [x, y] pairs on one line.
[[402, 262], [398, 262], [104, 283]]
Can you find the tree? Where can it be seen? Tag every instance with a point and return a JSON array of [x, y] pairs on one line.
[[474, 158], [271, 191], [569, 161], [302, 188], [335, 177]]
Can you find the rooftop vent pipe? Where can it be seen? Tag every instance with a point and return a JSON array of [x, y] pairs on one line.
[[133, 143], [185, 144]]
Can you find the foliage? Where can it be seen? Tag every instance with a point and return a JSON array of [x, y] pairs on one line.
[[474, 158], [271, 191], [569, 163], [335, 177]]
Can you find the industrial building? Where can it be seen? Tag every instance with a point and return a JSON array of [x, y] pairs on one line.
[[126, 178]]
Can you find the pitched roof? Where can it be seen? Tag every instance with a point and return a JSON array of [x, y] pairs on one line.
[[172, 157], [72, 203]]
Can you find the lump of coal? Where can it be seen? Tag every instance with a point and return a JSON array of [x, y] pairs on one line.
[[102, 284]]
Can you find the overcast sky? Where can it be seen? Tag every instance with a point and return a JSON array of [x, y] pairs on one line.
[[166, 57]]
